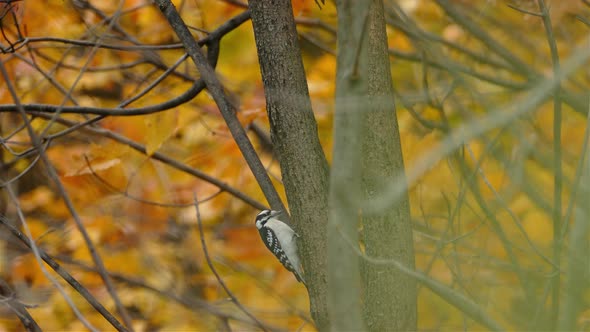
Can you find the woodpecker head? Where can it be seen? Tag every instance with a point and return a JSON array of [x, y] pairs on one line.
[[264, 216]]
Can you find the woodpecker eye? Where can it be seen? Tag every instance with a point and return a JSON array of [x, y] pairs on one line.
[[262, 218], [263, 214]]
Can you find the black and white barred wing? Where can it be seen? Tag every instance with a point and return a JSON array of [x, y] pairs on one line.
[[272, 243]]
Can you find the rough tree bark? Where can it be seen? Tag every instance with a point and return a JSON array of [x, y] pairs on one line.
[[304, 167], [364, 103], [390, 295]]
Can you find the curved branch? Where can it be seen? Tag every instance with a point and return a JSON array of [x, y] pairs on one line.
[[165, 159], [65, 276], [227, 109], [233, 298], [212, 40]]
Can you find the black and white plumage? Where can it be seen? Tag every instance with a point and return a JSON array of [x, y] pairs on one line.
[[281, 240]]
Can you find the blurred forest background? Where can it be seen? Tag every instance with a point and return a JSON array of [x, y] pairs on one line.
[[494, 147]]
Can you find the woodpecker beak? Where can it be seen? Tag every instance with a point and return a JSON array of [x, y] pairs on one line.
[[275, 213]]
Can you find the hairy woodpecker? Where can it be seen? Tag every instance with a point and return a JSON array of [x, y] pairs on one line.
[[281, 240]]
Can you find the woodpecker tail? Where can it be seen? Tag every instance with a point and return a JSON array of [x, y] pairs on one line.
[[299, 278], [297, 272]]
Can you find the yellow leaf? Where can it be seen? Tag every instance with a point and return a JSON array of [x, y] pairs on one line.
[[538, 227], [160, 127], [101, 166]]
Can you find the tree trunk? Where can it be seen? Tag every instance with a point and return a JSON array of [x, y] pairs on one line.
[[344, 301], [304, 167], [365, 124], [390, 296]]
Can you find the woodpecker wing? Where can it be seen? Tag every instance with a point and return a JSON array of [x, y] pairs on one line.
[[271, 241]]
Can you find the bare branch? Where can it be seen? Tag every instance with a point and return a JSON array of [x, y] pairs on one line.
[[65, 276], [233, 298], [228, 110]]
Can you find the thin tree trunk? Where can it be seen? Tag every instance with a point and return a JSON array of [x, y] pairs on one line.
[[295, 141], [389, 295], [344, 282]]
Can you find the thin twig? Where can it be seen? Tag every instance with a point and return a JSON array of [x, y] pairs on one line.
[[557, 166], [53, 175], [212, 39], [8, 298], [226, 107], [126, 194], [524, 11], [517, 64], [189, 302], [576, 284], [451, 296], [166, 160], [266, 288], [577, 177], [67, 277], [233, 298]]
